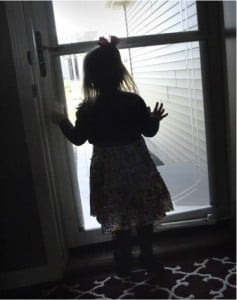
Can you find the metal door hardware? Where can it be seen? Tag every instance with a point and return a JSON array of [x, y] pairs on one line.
[[40, 53]]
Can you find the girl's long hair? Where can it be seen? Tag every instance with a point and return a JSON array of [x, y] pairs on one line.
[[104, 71]]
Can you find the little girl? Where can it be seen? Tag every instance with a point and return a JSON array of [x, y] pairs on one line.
[[126, 190]]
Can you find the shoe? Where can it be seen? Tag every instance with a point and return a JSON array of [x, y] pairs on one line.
[[152, 264]]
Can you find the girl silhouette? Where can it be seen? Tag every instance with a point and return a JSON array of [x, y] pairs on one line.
[[126, 190]]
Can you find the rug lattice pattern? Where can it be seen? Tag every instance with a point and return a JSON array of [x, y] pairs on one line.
[[210, 278]]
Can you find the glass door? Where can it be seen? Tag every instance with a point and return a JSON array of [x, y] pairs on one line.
[[170, 73], [162, 47]]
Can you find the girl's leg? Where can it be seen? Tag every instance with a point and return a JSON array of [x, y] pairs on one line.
[[123, 251], [145, 238], [147, 259]]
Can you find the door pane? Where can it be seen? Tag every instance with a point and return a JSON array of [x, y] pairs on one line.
[[78, 21], [171, 74]]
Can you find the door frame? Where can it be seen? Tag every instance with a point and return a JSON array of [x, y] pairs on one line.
[[210, 26], [50, 88], [52, 230], [62, 173]]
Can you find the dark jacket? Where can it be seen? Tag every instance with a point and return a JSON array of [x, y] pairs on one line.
[[117, 119]]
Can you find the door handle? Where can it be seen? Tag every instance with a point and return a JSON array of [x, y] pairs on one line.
[[40, 53]]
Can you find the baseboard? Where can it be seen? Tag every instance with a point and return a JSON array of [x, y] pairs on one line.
[[32, 276]]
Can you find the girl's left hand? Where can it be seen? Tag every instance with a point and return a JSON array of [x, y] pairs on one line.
[[58, 115], [159, 112]]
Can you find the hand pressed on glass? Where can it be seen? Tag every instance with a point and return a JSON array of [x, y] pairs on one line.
[[158, 112], [59, 114]]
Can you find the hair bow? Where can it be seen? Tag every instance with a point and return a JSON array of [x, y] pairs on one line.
[[105, 42]]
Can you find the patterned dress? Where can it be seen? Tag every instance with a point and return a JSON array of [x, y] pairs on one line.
[[126, 189]]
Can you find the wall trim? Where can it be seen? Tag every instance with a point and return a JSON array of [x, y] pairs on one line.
[[31, 276]]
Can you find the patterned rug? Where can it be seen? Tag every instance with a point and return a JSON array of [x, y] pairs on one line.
[[198, 274], [210, 278]]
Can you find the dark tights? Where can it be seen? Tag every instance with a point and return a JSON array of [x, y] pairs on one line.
[[123, 247], [145, 239]]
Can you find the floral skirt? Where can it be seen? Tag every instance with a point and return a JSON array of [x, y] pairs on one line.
[[126, 190]]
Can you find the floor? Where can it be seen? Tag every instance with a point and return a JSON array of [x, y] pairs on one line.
[[198, 263], [169, 245]]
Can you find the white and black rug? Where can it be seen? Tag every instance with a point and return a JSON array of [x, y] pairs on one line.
[[209, 278]]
